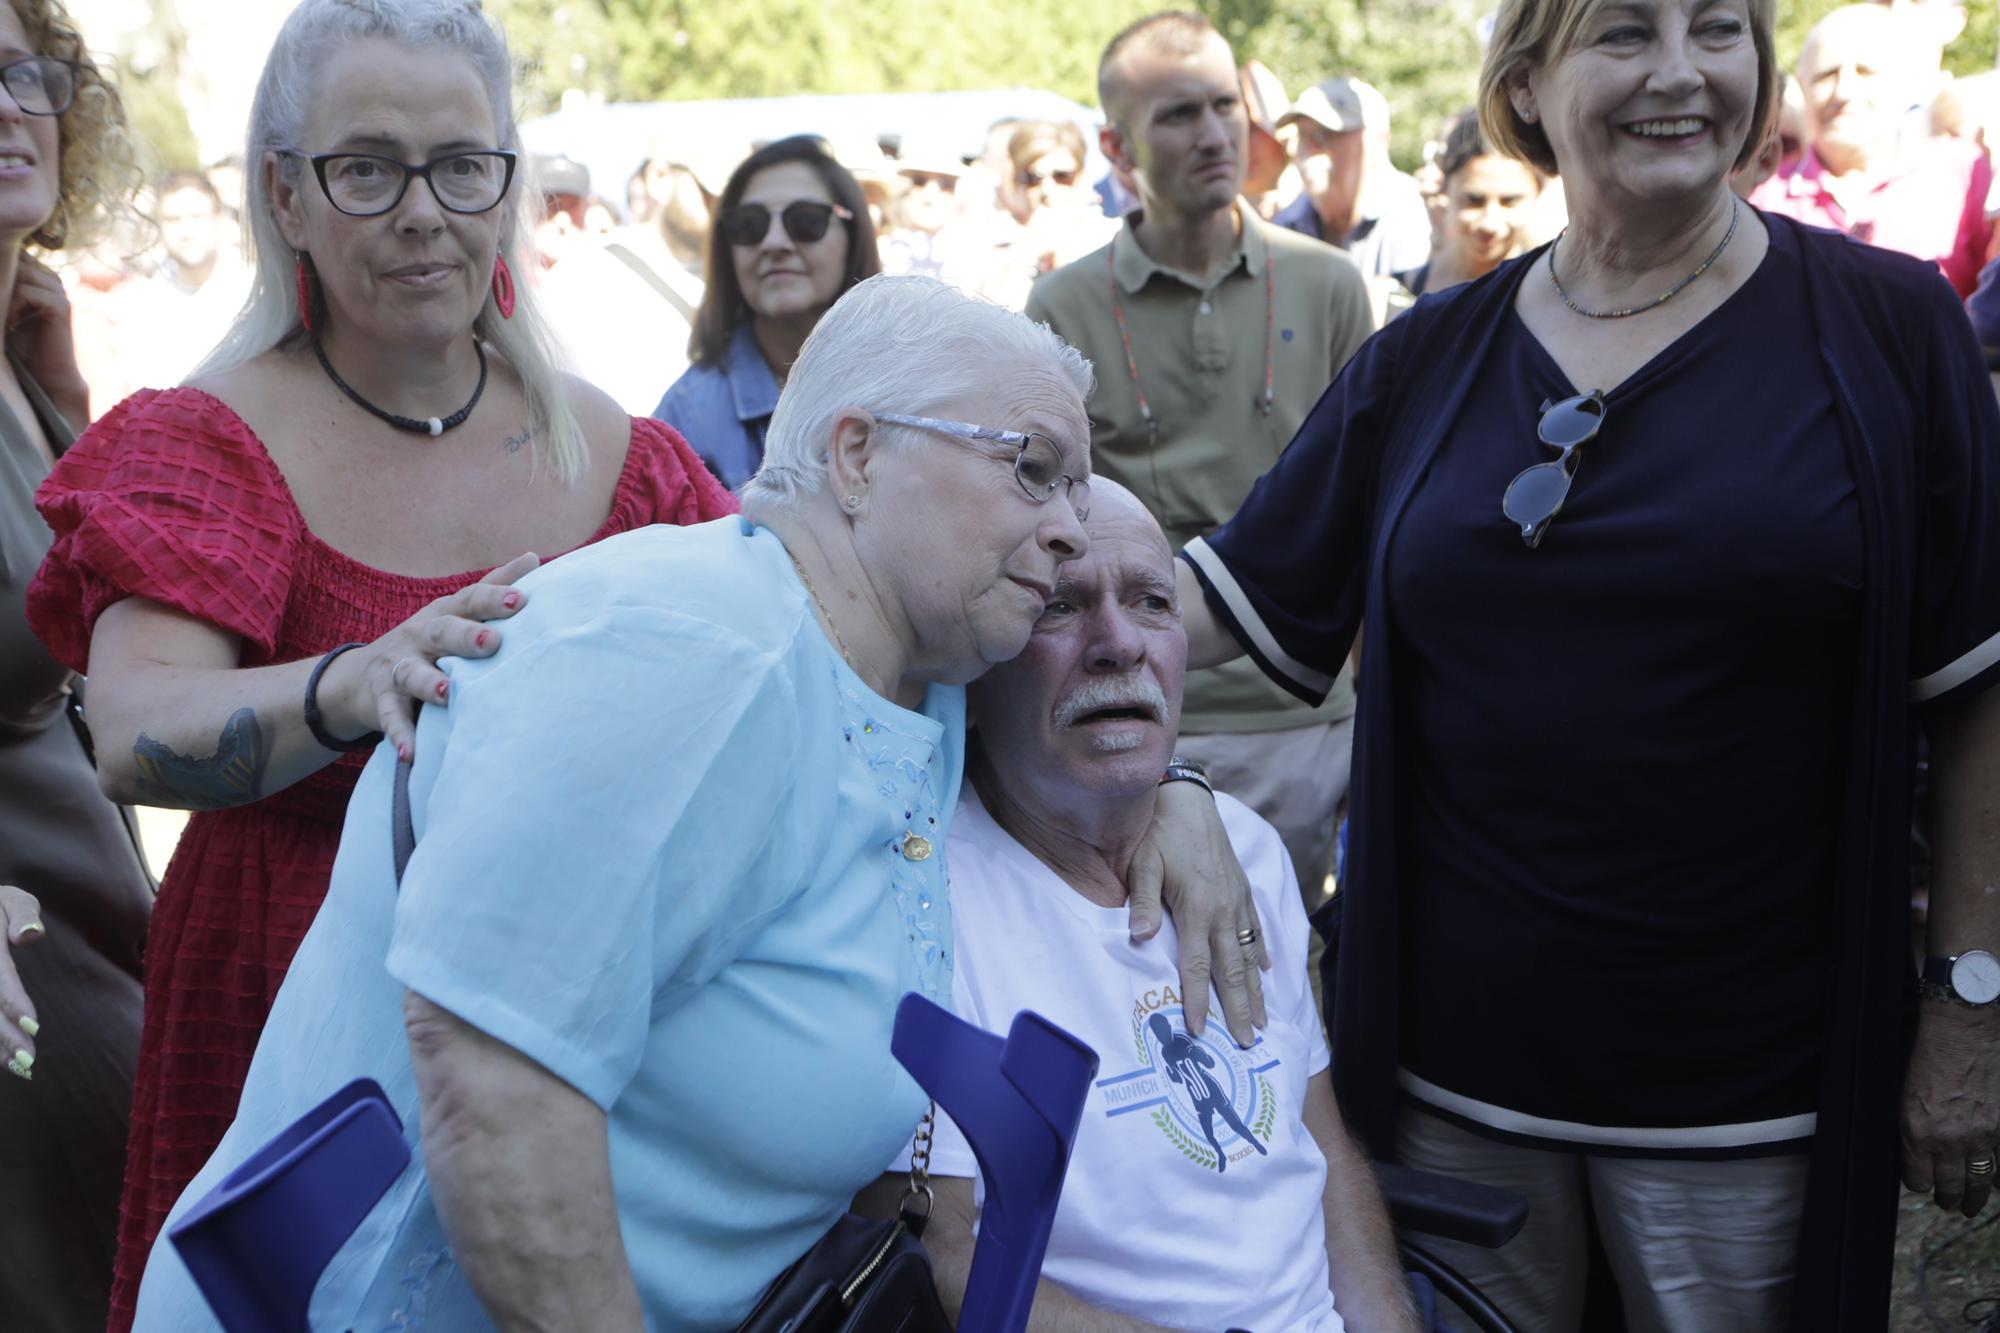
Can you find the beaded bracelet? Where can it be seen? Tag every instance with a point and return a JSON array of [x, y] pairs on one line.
[[317, 724]]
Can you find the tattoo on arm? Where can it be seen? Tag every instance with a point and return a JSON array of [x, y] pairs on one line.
[[233, 775]]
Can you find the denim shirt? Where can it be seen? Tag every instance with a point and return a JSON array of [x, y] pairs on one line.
[[723, 410]]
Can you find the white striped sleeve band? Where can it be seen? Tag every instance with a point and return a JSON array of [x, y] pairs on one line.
[[1712, 1137], [1955, 675], [1198, 554]]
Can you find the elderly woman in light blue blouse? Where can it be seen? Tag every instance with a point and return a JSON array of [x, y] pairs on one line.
[[679, 855]]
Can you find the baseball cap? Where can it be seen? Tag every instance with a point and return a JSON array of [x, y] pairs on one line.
[[560, 175], [1263, 96], [1339, 104]]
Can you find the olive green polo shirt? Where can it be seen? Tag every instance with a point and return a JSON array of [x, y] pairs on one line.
[[1200, 355]]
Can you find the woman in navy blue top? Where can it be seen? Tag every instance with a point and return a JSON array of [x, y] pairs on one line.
[[791, 233], [1627, 886]]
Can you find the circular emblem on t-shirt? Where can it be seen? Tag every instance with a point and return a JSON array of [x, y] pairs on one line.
[[1210, 1099]]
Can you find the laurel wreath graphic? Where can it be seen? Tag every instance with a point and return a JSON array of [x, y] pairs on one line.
[[1194, 1152]]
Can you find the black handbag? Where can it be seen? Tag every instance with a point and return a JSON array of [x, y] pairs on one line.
[[863, 1275]]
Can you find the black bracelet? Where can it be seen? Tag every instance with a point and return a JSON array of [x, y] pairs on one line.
[[1187, 770], [317, 724]]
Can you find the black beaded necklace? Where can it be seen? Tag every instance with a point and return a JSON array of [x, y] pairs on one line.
[[428, 426]]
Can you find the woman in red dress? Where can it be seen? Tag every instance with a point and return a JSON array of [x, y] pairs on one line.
[[384, 415]]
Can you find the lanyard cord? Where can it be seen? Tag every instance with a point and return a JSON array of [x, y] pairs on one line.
[[1132, 365]]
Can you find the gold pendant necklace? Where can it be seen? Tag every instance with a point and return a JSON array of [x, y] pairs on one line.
[[915, 846], [827, 615]]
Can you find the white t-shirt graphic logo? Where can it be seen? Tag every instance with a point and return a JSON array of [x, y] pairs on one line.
[[1211, 1100]]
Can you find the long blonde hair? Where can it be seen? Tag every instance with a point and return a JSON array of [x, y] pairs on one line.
[[271, 316]]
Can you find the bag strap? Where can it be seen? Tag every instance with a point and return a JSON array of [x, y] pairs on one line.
[[659, 284], [402, 830], [920, 1176]]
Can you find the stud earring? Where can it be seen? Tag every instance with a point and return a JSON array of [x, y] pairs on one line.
[[852, 502]]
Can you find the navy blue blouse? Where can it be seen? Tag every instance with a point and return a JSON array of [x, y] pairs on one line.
[[1312, 553], [1623, 748]]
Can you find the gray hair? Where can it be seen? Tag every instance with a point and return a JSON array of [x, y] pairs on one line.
[[271, 317], [905, 344]]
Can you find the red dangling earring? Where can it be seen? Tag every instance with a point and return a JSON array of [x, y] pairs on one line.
[[503, 287], [305, 296]]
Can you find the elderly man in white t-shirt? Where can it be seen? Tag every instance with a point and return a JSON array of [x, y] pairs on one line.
[[1212, 1187]]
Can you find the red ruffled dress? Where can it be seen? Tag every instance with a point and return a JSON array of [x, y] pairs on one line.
[[171, 497]]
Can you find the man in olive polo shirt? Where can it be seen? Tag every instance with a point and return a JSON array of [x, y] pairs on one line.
[[1213, 333]]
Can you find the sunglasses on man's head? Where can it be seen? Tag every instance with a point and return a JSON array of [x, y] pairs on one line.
[[1536, 496], [805, 221]]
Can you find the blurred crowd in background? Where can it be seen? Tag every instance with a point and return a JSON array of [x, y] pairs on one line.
[[1029, 194]]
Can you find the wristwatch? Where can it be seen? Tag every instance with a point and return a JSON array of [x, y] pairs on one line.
[[1972, 977]]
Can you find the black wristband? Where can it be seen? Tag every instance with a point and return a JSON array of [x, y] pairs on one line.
[[1187, 770], [317, 724]]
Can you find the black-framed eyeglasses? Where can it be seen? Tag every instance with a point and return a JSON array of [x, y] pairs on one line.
[[1037, 467], [40, 85], [806, 221], [366, 185], [1534, 498]]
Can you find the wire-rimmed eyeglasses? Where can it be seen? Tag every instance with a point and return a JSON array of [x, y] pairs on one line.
[[366, 185], [40, 85], [1536, 496], [1037, 467]]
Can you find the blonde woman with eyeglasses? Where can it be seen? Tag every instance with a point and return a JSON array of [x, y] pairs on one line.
[[1669, 536]]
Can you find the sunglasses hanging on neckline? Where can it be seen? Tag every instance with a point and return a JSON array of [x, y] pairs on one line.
[[1535, 497]]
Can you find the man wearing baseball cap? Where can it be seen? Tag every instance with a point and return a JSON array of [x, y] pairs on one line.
[[1354, 198]]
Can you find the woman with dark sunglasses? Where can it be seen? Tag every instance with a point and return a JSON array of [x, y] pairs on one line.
[[791, 234], [261, 567], [1049, 216], [1668, 537]]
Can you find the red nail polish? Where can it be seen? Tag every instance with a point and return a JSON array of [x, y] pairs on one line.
[[511, 600], [480, 641], [402, 752], [443, 689]]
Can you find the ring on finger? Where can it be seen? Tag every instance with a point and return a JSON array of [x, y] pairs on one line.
[[1247, 936], [396, 676]]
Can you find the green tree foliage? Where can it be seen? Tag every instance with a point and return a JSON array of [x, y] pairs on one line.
[[1422, 54], [1971, 53], [634, 50], [148, 77]]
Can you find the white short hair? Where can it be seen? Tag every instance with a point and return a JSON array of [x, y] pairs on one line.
[[905, 344]]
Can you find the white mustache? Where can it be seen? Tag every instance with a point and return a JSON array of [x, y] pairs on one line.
[[1101, 692]]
